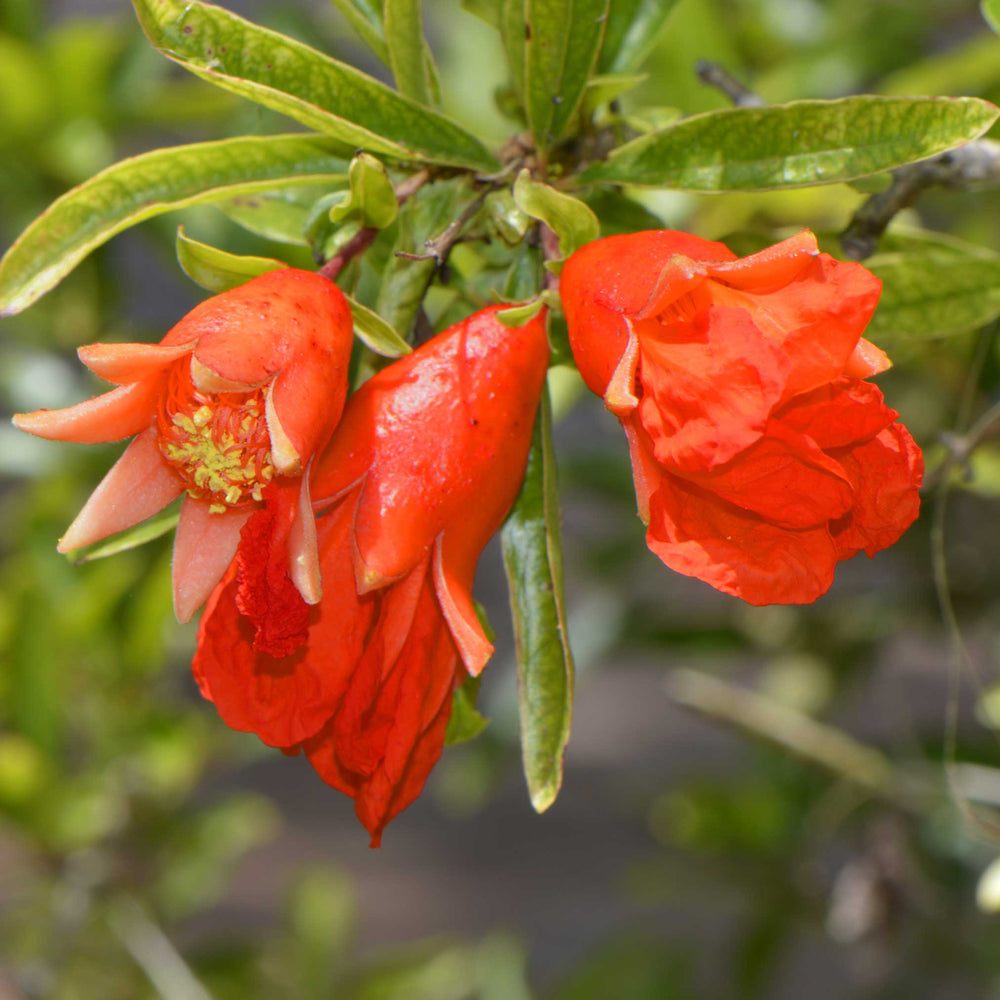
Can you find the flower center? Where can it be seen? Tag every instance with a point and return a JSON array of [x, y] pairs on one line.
[[218, 442]]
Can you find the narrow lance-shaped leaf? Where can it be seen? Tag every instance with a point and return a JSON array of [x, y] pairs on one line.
[[365, 17], [375, 333], [512, 32], [991, 12], [281, 214], [404, 36], [131, 538], [149, 185], [322, 93], [562, 39], [933, 290], [634, 28], [795, 145], [532, 553], [217, 270]]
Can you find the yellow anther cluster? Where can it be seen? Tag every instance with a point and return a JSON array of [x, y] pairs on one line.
[[220, 446]]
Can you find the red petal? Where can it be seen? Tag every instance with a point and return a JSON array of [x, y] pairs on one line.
[[886, 472], [699, 535], [843, 413], [815, 320], [401, 734], [117, 414], [138, 485], [785, 478], [453, 575], [708, 387], [266, 594], [285, 700]]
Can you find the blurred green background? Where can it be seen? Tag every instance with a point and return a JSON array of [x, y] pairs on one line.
[[756, 803]]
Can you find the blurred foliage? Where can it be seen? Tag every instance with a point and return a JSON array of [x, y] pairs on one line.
[[125, 808]]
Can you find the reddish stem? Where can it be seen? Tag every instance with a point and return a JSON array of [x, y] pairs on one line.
[[364, 237]]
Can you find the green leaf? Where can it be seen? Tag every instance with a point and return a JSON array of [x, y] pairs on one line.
[[634, 28], [513, 30], [561, 47], [217, 270], [505, 217], [365, 17], [375, 333], [568, 217], [795, 145], [465, 722], [933, 289], [281, 214], [519, 315], [485, 10], [371, 200], [532, 554], [149, 185], [131, 538], [322, 93], [404, 35], [609, 87], [991, 13]]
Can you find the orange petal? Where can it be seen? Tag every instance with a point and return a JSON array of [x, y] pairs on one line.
[[867, 360], [125, 363], [117, 414], [620, 397], [207, 380], [453, 586], [204, 546], [771, 268], [138, 485]]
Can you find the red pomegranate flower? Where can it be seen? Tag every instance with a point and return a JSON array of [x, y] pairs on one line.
[[230, 407], [421, 472], [760, 456]]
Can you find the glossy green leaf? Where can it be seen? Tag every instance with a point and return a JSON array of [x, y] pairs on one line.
[[609, 87], [485, 10], [991, 12], [404, 36], [568, 217], [795, 145], [322, 93], [505, 217], [634, 28], [404, 282], [365, 17], [217, 270], [933, 289], [562, 40], [280, 214], [375, 333], [371, 200], [149, 185], [465, 723], [513, 30], [532, 553], [519, 315], [131, 538]]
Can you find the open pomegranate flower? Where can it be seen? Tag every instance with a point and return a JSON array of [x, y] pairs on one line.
[[419, 475], [760, 455], [230, 407]]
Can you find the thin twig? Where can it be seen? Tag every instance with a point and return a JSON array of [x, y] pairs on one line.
[[154, 952], [719, 77], [438, 247], [976, 164], [823, 745], [365, 236]]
